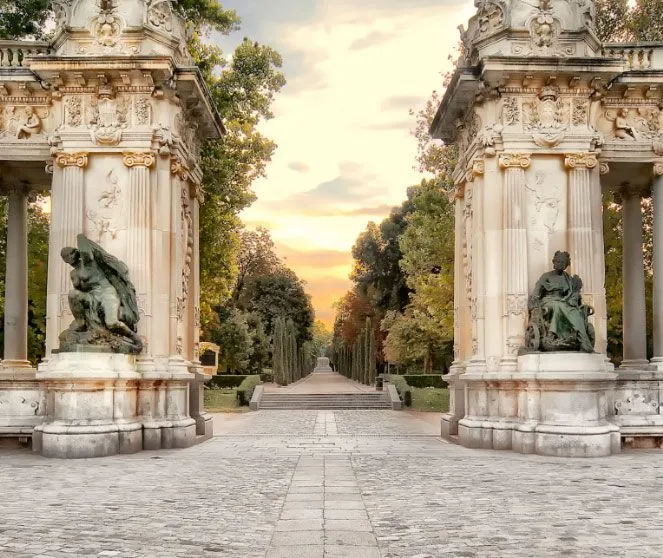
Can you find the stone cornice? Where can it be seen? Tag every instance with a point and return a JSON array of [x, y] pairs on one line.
[[139, 159], [581, 161], [78, 159], [515, 160]]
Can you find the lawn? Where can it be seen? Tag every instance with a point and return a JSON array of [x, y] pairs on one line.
[[223, 400], [430, 399]]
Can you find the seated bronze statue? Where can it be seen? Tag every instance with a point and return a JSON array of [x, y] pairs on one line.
[[102, 301], [558, 320]]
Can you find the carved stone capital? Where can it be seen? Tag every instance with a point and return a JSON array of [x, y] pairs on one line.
[[141, 159], [658, 168], [581, 161], [478, 168], [79, 159], [515, 160], [459, 192], [604, 168]]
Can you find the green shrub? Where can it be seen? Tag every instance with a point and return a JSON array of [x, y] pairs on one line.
[[246, 389], [226, 380], [402, 387], [426, 380]]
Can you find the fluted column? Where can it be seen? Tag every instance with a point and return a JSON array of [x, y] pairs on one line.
[[657, 197], [67, 221], [139, 237], [195, 273], [458, 274], [16, 281], [634, 315], [515, 255], [587, 258]]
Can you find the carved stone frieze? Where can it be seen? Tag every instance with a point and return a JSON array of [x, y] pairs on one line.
[[79, 159], [22, 122], [546, 198], [160, 14], [468, 233], [103, 217], [179, 169], [511, 111], [516, 305], [581, 161], [139, 159], [73, 111], [107, 26], [515, 160], [490, 18], [143, 111], [107, 121], [547, 117]]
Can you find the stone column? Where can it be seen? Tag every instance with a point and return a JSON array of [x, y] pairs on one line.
[[634, 315], [139, 238], [16, 281], [657, 198], [67, 221], [514, 243], [458, 276]]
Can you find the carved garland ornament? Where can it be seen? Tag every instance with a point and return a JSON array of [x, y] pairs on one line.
[[580, 161], [515, 160], [64, 160]]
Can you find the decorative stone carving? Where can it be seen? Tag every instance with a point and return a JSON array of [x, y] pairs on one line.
[[108, 121], [547, 117], [636, 404], [179, 169], [468, 217], [547, 199], [579, 112], [516, 305], [61, 10], [143, 111], [102, 301], [22, 122], [73, 111], [109, 201], [490, 17], [604, 168], [511, 111], [515, 160], [107, 26], [160, 14], [580, 160], [558, 319], [489, 137], [142, 159], [79, 159]]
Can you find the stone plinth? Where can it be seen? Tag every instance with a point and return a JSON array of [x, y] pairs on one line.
[[554, 404], [322, 365], [22, 402], [636, 404], [91, 402]]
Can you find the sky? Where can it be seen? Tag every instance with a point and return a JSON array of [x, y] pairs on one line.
[[346, 153]]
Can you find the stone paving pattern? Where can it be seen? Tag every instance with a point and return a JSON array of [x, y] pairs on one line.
[[331, 483]]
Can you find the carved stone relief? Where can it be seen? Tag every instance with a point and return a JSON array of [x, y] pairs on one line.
[[547, 117], [511, 111], [107, 121], [636, 404], [468, 214], [108, 206], [160, 14], [22, 122], [490, 18], [546, 199], [73, 111]]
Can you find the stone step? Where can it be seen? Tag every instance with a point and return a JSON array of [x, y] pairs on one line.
[[325, 401]]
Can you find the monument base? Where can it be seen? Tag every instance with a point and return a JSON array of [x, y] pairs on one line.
[[22, 401], [322, 366], [555, 404], [90, 406]]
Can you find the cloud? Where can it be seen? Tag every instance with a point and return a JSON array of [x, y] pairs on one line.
[[300, 167], [402, 125], [403, 102], [374, 38], [318, 258]]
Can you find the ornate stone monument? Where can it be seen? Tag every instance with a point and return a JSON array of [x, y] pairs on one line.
[[116, 108], [322, 366], [548, 121]]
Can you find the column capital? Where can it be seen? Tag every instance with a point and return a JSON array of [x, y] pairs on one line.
[[139, 159], [515, 160], [478, 168], [581, 161], [78, 159], [604, 167]]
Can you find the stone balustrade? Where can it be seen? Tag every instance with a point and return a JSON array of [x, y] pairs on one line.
[[13, 53], [638, 56]]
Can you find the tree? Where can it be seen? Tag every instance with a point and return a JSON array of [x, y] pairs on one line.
[[645, 20], [235, 342], [259, 357], [256, 259], [612, 20], [322, 338], [23, 19], [282, 294]]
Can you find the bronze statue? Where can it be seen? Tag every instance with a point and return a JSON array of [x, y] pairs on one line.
[[558, 320], [102, 301]]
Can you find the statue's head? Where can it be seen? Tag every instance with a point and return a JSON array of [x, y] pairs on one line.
[[70, 255], [561, 260]]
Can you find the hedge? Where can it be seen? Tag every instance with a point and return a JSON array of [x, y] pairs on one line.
[[226, 380], [402, 387], [246, 389], [426, 380]]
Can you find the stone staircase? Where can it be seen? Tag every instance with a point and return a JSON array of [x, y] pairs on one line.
[[365, 400]]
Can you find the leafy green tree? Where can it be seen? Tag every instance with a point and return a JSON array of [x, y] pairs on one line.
[[256, 258], [322, 338], [645, 20], [259, 357], [235, 341], [26, 18]]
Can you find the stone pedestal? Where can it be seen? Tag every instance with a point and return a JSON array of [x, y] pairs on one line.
[[91, 402], [204, 424], [22, 402], [555, 404], [322, 365], [449, 421]]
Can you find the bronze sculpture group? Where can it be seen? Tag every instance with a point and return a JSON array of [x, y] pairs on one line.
[[558, 319], [102, 301]]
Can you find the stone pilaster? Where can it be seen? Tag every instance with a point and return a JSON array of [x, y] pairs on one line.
[[139, 237], [514, 243], [585, 230], [67, 221], [634, 306], [16, 281], [477, 290], [657, 198]]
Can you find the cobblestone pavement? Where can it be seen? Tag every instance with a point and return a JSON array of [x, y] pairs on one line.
[[331, 483]]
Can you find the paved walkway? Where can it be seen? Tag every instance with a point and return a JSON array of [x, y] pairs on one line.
[[321, 382], [331, 483]]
